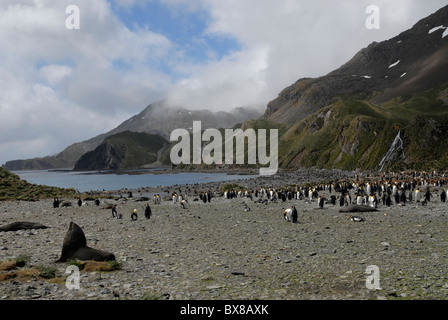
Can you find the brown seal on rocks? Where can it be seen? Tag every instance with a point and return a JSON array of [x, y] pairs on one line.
[[22, 225], [75, 247]]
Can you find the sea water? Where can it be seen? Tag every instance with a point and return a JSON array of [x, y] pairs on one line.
[[98, 181]]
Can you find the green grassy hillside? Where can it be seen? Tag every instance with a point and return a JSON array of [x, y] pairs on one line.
[[355, 134], [13, 188]]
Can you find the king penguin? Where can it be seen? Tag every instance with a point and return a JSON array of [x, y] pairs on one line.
[[357, 219], [443, 196], [287, 215], [294, 214], [418, 195], [321, 202]]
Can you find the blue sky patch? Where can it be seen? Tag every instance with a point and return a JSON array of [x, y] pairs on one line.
[[184, 27]]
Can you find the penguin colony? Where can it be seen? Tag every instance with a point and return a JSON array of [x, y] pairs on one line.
[[178, 198], [385, 190]]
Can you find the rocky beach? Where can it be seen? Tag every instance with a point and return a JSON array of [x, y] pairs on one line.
[[220, 250]]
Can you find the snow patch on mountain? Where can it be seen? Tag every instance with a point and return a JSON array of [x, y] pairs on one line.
[[445, 33], [436, 28], [394, 64]]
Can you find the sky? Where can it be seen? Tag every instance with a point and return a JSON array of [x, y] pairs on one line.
[[63, 82]]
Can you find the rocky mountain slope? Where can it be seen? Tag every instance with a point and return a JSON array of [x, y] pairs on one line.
[[157, 118], [123, 150], [350, 118], [414, 61]]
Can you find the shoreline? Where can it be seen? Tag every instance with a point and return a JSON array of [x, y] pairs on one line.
[[282, 179]]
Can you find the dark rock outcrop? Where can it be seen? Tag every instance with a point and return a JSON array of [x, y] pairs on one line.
[[123, 150], [104, 157]]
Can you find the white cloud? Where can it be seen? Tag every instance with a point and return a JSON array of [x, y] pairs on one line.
[[283, 41], [54, 74], [62, 86]]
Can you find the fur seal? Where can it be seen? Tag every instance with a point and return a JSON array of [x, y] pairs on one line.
[[358, 208], [22, 225], [75, 247]]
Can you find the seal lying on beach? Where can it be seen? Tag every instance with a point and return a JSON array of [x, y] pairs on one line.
[[357, 208], [75, 247], [22, 225]]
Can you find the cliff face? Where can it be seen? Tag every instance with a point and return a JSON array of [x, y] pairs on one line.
[[104, 157], [123, 150]]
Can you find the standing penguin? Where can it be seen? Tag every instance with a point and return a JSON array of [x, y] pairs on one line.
[[341, 200], [147, 211], [321, 202], [359, 200], [114, 211], [418, 195], [209, 196], [443, 196], [388, 200], [294, 214], [427, 195]]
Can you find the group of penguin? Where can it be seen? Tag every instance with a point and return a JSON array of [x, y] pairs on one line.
[[182, 200], [368, 194], [274, 195], [134, 215]]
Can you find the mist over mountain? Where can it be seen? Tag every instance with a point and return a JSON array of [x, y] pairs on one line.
[[157, 119]]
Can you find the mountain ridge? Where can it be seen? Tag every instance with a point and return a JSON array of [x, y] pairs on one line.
[[157, 118], [349, 118], [372, 70]]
